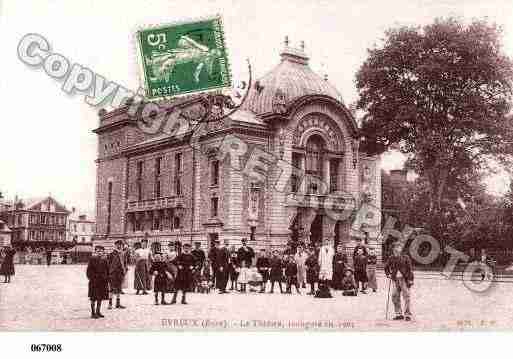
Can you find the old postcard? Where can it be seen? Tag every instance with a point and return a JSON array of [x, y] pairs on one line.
[[256, 166]]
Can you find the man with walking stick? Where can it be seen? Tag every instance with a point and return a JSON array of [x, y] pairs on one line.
[[399, 270]]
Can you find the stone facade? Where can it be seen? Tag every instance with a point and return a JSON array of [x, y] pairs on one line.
[[292, 172], [80, 228]]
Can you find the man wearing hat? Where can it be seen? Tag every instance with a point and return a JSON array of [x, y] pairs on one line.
[[221, 261], [199, 261], [245, 253], [185, 265], [116, 272], [199, 255], [361, 244]]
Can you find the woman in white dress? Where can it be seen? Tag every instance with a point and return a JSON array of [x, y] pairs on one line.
[[300, 259], [326, 253]]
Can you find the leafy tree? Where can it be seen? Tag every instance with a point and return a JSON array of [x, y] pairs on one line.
[[442, 93]]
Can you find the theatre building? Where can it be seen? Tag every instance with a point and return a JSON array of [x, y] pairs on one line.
[[160, 187]]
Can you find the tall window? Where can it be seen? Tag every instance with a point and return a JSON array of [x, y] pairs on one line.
[[314, 155], [334, 164], [294, 178], [314, 160], [178, 173], [109, 206], [214, 172], [214, 207], [158, 162], [139, 180]]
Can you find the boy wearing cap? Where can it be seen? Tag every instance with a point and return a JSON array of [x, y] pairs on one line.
[[116, 273], [263, 265], [185, 263], [399, 270], [98, 275]]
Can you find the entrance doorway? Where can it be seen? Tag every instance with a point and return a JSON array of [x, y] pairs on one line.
[[337, 239], [316, 230]]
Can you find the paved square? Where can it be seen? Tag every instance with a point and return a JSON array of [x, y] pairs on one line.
[[55, 298]]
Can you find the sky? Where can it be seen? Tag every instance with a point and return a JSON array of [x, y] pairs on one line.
[[46, 143]]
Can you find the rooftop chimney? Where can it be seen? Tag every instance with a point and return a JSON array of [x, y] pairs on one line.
[[293, 54]]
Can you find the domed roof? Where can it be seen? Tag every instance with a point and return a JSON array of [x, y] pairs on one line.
[[289, 80]]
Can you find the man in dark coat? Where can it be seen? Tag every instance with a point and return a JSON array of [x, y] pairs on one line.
[[48, 256], [360, 245], [98, 275], [245, 253], [199, 262], [212, 260], [185, 264], [199, 255], [312, 270], [276, 271], [116, 272], [7, 267], [263, 266], [339, 266], [222, 262], [399, 269]]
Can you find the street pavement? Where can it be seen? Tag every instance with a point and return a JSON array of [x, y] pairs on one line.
[[55, 299]]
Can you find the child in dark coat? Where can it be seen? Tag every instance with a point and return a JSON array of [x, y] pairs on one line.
[[312, 271], [162, 276], [291, 274], [98, 274], [348, 284], [263, 265], [360, 270], [234, 269], [276, 272]]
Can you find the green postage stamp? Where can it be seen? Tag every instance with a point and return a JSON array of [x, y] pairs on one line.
[[183, 58]]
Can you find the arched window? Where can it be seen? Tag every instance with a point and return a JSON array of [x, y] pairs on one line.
[[315, 147]]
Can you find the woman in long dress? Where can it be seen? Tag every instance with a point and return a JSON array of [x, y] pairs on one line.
[[7, 267], [300, 259], [142, 278], [372, 260]]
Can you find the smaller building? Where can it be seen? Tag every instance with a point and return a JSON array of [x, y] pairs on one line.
[[5, 234], [80, 228], [39, 219]]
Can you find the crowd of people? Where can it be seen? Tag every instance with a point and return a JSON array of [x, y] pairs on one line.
[[180, 268]]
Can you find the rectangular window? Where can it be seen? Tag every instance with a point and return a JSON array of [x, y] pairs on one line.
[[178, 162], [214, 175], [178, 174], [109, 206], [252, 234], [214, 203], [139, 170], [157, 188], [158, 162], [176, 224], [139, 180], [334, 164]]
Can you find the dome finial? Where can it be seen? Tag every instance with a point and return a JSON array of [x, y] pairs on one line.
[[325, 77], [302, 45], [286, 40]]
